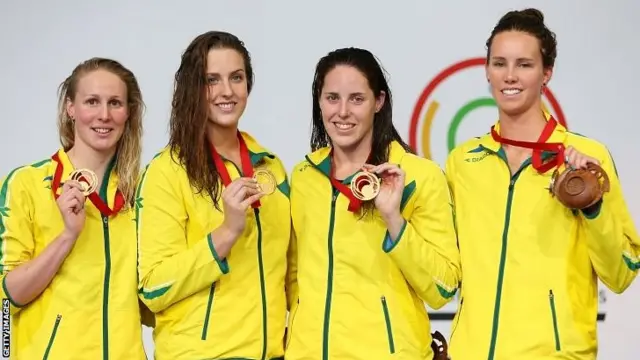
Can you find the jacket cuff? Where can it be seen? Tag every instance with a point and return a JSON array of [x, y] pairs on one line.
[[388, 243], [224, 265]]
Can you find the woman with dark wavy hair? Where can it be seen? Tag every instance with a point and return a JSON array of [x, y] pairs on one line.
[[213, 218], [373, 223]]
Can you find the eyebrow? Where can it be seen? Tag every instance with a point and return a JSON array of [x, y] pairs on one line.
[[233, 72], [518, 59]]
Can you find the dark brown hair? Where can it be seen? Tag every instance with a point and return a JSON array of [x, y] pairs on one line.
[[189, 111], [384, 132], [530, 21]]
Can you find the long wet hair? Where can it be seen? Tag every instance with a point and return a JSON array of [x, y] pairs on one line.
[[384, 132], [190, 113], [129, 149]]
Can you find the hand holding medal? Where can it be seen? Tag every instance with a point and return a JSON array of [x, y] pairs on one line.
[[75, 190], [386, 190], [582, 183]]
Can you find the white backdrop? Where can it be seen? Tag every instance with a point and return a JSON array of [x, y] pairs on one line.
[[594, 81]]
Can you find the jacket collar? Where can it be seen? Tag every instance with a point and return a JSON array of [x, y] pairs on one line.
[[256, 151], [321, 160], [109, 183], [557, 136]]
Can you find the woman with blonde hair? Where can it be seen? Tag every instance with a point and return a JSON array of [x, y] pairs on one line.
[[67, 229]]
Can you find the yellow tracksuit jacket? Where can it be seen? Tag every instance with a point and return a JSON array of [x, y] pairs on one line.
[[208, 308], [353, 292], [530, 265], [90, 309]]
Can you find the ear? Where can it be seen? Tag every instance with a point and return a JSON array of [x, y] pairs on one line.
[[71, 111], [486, 73], [547, 75], [380, 100]]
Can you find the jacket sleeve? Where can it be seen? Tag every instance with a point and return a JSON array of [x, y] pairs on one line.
[[426, 249], [16, 235], [611, 237], [169, 269]]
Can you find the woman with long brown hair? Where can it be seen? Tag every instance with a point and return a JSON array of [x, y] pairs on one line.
[[213, 218], [68, 264]]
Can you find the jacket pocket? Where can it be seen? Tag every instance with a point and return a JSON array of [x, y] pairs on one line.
[[205, 326], [554, 319], [387, 321], [52, 338], [457, 318], [292, 318]]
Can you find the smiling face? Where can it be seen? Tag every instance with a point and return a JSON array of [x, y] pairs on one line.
[[515, 72], [227, 90], [348, 106], [99, 110]]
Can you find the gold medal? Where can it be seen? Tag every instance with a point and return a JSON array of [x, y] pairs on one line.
[[365, 185], [266, 181], [87, 179]]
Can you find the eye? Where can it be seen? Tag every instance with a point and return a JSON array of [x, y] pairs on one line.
[[211, 80], [526, 65], [115, 102], [498, 63], [358, 99], [332, 97], [236, 78]]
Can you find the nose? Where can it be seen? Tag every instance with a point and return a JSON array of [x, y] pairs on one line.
[[344, 110], [511, 76], [104, 114], [226, 89]]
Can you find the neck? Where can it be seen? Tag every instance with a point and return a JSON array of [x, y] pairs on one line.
[[224, 139], [348, 160], [83, 157], [526, 126]]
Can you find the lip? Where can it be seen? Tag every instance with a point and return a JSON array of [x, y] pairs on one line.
[[102, 134], [226, 106], [346, 126]]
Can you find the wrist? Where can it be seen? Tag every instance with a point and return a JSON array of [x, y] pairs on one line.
[[68, 236], [228, 233], [393, 218]]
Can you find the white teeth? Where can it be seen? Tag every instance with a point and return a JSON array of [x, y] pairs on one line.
[[101, 130], [226, 106], [344, 126], [511, 91]]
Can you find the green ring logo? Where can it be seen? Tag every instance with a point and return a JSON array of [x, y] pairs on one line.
[[420, 140]]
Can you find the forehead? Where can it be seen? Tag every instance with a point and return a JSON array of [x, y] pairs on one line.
[[345, 78], [515, 44], [224, 61], [101, 82]]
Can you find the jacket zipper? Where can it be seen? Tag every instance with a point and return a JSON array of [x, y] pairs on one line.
[[52, 337], [263, 291], [107, 277], [327, 306], [205, 327], [387, 320], [556, 332], [503, 251]]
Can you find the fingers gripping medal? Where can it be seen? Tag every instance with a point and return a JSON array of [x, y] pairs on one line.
[[365, 185], [266, 181], [579, 188], [87, 179]]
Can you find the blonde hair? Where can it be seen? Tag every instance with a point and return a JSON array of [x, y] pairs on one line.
[[130, 144]]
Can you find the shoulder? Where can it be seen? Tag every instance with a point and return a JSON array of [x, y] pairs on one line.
[[587, 145], [26, 175], [470, 146]]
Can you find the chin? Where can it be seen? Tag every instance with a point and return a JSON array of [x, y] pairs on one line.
[[226, 120]]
